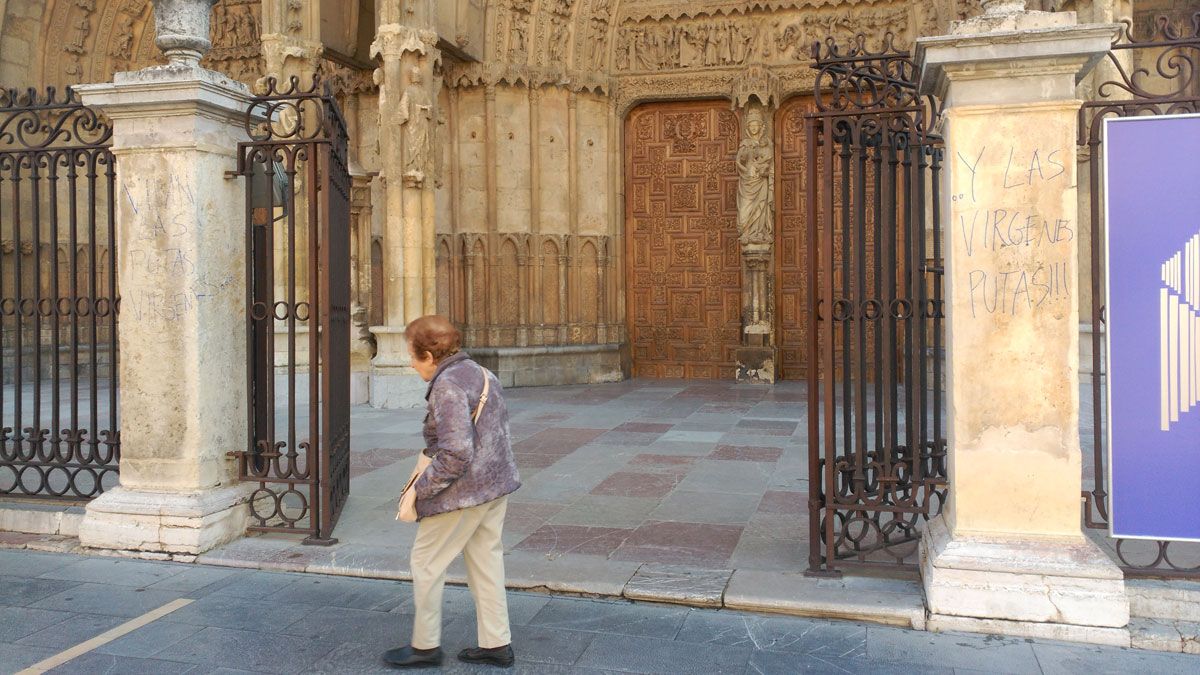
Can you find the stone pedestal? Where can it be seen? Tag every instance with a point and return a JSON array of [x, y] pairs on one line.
[[181, 270], [1008, 554]]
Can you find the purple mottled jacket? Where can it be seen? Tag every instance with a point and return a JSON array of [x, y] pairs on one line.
[[472, 464]]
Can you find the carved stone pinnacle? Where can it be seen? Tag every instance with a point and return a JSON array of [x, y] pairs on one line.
[[1002, 7], [182, 27]]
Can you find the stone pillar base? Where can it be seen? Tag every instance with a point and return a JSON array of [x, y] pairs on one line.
[[394, 384], [168, 522], [1007, 584], [756, 365]]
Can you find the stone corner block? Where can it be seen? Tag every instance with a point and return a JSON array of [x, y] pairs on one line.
[[166, 522], [1048, 580]]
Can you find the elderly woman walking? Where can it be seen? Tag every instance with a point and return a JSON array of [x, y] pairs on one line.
[[461, 486]]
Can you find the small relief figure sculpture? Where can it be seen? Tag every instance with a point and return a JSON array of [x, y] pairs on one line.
[[122, 48], [82, 27], [756, 182], [416, 114]]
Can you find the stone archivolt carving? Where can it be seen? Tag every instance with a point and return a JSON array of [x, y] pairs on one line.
[[756, 182], [89, 40]]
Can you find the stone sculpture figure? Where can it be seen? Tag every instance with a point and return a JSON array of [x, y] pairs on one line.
[[756, 182], [416, 115]]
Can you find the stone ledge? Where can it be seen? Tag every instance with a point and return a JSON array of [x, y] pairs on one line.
[[887, 601], [40, 518], [1175, 600], [1116, 637], [1165, 636]]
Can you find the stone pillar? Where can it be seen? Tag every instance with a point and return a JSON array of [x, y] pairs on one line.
[[291, 47], [181, 271], [756, 228], [407, 121], [1008, 555]]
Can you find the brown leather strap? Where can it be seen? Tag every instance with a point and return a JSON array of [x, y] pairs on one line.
[[487, 383]]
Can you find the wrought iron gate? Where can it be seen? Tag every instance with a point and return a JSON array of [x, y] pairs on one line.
[[298, 305], [1151, 75], [876, 435], [58, 299]]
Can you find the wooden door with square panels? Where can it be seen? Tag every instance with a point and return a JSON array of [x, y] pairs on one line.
[[683, 276]]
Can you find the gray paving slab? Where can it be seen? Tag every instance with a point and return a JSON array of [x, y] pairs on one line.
[[150, 639], [1061, 659], [19, 563], [20, 591], [779, 663], [689, 506], [829, 639], [17, 657], [116, 571], [19, 622], [249, 650], [655, 655], [68, 633], [195, 580], [679, 584], [342, 592], [107, 599], [1004, 655], [258, 614], [90, 664], [620, 618]]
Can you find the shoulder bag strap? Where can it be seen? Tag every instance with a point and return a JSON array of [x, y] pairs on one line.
[[487, 383]]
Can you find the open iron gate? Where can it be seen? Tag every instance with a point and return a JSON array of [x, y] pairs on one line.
[[877, 448], [1154, 73], [298, 305], [60, 436]]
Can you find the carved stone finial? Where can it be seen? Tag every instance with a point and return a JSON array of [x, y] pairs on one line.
[[182, 27], [1002, 7]]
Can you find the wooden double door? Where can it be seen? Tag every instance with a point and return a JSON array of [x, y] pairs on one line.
[[683, 270]]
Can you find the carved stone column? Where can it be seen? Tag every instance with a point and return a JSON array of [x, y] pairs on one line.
[[756, 357], [407, 122]]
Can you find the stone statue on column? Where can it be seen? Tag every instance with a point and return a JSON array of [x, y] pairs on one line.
[[756, 182], [416, 116], [755, 163]]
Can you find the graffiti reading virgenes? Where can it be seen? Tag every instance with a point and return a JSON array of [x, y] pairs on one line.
[[1025, 266]]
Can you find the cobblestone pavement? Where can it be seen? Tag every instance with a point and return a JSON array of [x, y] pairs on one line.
[[247, 621]]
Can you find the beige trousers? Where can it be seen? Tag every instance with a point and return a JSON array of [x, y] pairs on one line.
[[475, 532]]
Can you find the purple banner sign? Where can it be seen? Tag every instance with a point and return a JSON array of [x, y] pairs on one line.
[[1152, 175]]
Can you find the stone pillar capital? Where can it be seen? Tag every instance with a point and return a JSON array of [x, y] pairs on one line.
[[394, 40]]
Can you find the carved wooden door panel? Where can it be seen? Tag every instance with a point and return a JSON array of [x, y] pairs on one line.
[[793, 319], [791, 246], [683, 280]]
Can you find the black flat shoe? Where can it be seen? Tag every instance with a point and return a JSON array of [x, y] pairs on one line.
[[500, 656], [407, 657]]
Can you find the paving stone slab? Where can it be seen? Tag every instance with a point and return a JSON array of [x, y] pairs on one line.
[[23, 591], [249, 650], [93, 662], [611, 617], [1003, 655], [650, 655], [585, 575], [107, 599], [67, 634], [828, 639], [1070, 659], [678, 584]]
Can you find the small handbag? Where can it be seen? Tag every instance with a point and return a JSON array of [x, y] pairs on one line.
[[407, 508]]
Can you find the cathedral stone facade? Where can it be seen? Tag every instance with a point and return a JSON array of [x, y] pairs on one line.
[[591, 189]]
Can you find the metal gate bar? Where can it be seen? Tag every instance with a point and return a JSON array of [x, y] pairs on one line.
[[298, 218], [876, 300], [1152, 75], [58, 298]]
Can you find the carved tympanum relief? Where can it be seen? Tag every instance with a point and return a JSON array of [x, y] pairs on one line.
[[89, 40]]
